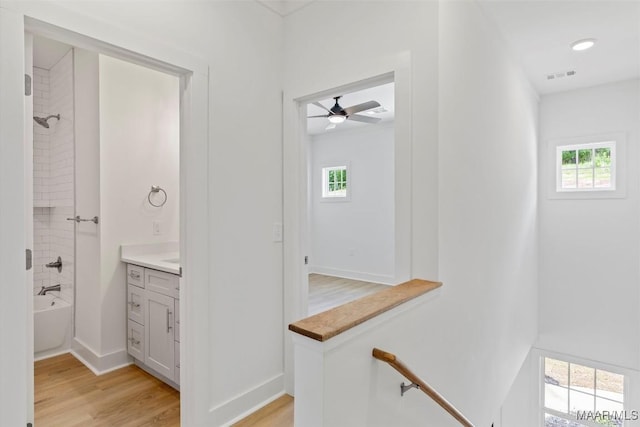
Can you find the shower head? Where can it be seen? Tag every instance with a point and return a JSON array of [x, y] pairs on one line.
[[43, 121]]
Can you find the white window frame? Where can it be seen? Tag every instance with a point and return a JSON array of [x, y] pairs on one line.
[[590, 146], [618, 168], [324, 177], [630, 383]]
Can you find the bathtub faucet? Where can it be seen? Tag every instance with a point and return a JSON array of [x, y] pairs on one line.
[[55, 264], [46, 289]]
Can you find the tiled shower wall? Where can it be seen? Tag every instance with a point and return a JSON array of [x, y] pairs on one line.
[[54, 176], [41, 211]]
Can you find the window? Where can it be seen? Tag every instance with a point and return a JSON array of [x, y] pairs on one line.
[[335, 183], [586, 167], [578, 395]]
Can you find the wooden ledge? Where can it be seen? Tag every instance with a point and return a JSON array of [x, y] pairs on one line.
[[328, 324]]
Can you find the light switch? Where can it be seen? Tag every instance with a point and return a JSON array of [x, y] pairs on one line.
[[157, 228], [277, 232]]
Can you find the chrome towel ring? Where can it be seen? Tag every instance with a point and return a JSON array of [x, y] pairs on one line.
[[157, 189]]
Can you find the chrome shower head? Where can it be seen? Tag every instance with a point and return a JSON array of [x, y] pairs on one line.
[[43, 121]]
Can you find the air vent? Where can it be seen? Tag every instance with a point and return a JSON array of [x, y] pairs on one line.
[[561, 75]]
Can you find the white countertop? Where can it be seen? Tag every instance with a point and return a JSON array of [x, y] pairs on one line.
[[159, 256]]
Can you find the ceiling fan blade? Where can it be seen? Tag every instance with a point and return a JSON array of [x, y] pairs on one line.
[[315, 117], [361, 107], [317, 104], [363, 119]]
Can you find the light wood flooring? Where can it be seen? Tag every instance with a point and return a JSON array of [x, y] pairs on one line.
[[67, 394], [327, 292], [278, 413]]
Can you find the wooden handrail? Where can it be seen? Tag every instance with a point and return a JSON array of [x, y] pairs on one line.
[[396, 364]]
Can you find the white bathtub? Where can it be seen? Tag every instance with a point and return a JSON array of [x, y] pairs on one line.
[[51, 324]]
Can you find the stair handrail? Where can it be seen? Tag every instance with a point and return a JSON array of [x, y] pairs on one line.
[[397, 364]]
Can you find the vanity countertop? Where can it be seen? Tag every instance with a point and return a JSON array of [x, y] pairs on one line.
[[159, 256]]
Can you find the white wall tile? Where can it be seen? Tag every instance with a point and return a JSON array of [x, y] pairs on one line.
[[53, 170]]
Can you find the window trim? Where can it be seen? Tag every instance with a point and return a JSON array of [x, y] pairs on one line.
[[619, 169], [324, 181]]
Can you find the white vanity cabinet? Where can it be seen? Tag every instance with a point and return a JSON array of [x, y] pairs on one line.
[[153, 321]]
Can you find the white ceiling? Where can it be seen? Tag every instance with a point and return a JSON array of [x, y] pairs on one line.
[[47, 52], [384, 94], [285, 7], [541, 32]]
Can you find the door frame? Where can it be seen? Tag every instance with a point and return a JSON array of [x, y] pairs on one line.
[[56, 22], [359, 75]]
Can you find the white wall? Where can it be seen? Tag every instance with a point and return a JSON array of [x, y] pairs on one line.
[[87, 169], [589, 249], [139, 147], [488, 212], [354, 238], [520, 408]]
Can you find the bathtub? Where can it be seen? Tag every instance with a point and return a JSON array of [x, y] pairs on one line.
[[51, 324]]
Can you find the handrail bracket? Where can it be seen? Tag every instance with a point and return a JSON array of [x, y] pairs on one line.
[[406, 388]]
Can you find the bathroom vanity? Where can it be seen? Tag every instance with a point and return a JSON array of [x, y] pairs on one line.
[[153, 309]]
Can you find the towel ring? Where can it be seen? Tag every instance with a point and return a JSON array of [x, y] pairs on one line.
[[157, 189]]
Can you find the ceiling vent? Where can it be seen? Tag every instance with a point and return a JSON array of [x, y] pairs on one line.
[[561, 75]]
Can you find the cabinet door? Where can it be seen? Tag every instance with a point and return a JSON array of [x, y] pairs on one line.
[[159, 344], [135, 304], [135, 340]]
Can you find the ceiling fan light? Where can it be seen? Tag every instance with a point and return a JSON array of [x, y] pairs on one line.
[[337, 118]]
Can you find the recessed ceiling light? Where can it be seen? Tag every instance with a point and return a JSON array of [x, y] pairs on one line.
[[583, 44]]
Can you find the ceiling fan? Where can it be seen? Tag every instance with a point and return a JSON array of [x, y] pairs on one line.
[[337, 114]]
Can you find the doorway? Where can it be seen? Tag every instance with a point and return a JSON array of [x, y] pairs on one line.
[[105, 131], [351, 202], [299, 93], [193, 74]]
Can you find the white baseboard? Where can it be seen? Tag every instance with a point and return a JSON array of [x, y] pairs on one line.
[[235, 409], [98, 364], [49, 353], [354, 275]]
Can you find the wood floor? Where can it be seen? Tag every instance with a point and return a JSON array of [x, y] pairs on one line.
[[278, 413], [326, 292], [67, 394]]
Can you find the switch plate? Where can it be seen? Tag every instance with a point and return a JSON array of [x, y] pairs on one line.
[[277, 232], [157, 228]]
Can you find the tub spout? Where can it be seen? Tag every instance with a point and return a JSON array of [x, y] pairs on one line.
[[46, 289]]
